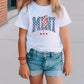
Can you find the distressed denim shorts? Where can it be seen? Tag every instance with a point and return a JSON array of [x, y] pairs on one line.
[[49, 63]]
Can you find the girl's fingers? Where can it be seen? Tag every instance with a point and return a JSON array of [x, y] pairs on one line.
[[23, 75], [28, 72], [64, 70], [26, 76], [66, 74]]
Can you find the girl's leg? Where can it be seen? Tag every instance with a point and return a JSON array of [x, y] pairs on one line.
[[54, 80], [36, 79]]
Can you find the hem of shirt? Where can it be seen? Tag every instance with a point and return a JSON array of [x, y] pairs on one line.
[[20, 26], [65, 24]]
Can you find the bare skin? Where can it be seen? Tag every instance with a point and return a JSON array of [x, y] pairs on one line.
[[36, 79], [24, 69], [54, 80], [67, 50]]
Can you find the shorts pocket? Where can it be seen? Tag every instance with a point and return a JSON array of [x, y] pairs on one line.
[[29, 56], [57, 56]]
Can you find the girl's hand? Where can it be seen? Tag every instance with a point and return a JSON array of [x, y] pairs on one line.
[[24, 71], [67, 67]]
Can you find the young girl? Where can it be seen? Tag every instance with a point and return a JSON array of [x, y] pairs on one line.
[[44, 24]]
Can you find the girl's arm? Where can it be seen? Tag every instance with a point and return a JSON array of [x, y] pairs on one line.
[[24, 69], [22, 44], [66, 42], [66, 48]]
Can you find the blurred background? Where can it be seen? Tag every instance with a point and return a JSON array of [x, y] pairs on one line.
[[9, 64]]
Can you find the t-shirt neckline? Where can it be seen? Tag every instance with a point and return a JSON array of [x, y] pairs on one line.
[[41, 6]]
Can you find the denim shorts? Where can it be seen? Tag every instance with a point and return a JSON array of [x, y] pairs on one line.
[[49, 63]]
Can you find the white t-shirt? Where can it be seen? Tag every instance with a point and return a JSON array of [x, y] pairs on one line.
[[43, 27]]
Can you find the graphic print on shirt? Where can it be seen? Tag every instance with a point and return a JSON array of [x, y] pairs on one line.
[[43, 23]]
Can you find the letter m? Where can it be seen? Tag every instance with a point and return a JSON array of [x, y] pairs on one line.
[[36, 24]]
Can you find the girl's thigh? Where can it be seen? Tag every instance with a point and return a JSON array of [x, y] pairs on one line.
[[53, 80], [36, 79]]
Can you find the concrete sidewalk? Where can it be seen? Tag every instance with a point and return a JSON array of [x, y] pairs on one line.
[[9, 64], [12, 13]]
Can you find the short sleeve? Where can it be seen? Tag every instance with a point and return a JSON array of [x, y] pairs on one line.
[[65, 20], [22, 19]]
